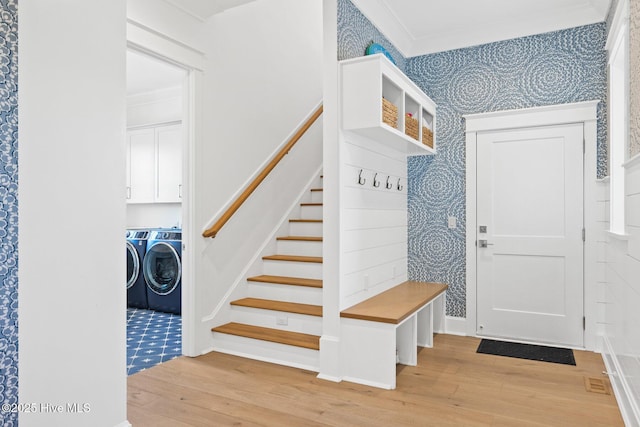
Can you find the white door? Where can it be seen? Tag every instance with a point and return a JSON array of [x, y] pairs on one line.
[[530, 199]]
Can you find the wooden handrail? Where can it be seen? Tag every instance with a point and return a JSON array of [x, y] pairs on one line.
[[215, 228]]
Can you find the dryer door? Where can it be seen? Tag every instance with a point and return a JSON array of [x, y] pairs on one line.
[[133, 265], [162, 268]]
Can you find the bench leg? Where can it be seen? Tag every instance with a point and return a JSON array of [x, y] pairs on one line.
[[369, 353], [406, 339]]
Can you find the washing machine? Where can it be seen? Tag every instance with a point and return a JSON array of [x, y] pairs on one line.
[[162, 270], [136, 286]]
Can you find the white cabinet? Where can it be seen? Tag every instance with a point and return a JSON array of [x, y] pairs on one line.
[[154, 165], [380, 102]]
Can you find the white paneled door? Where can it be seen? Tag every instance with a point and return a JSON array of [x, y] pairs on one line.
[[530, 234]]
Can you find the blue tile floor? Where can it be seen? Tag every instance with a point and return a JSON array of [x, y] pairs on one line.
[[153, 337]]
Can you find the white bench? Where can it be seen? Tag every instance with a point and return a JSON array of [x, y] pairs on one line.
[[397, 320]]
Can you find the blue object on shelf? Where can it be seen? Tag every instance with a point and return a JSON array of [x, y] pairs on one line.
[[374, 48]]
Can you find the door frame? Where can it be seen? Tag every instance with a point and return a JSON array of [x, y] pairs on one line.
[[580, 112], [163, 47]]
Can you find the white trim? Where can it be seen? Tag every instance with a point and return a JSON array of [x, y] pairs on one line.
[[455, 326], [530, 117], [632, 162], [580, 112], [124, 424], [627, 405], [620, 17], [154, 43], [619, 236]]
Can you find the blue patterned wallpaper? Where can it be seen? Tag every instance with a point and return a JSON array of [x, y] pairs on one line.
[[355, 32], [552, 68], [9, 207]]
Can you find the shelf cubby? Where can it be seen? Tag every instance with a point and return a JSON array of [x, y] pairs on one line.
[[380, 102]]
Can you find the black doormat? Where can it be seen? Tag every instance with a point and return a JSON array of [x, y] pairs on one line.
[[527, 351]]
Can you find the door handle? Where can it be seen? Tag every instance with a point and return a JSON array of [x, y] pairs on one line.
[[483, 243]]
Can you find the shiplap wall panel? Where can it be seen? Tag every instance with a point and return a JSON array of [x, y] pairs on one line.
[[373, 219], [367, 197], [362, 239], [361, 219], [622, 271]]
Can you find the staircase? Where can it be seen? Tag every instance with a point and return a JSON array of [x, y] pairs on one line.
[[280, 320]]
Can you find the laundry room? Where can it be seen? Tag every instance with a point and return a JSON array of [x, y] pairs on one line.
[[154, 144]]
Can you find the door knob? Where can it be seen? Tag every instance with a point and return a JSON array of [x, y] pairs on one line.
[[483, 243]]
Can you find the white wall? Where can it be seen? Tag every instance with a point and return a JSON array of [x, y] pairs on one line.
[[260, 75], [72, 211], [622, 299]]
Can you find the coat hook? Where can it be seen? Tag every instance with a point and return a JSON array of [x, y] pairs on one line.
[[388, 184], [399, 186], [361, 180], [376, 183]]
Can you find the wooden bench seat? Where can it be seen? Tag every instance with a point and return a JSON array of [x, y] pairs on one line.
[[387, 329], [397, 303]]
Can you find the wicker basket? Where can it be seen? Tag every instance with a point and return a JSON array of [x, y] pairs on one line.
[[389, 113], [411, 127], [427, 136]]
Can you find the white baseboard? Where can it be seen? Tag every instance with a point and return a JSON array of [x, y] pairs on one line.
[[123, 424], [628, 407], [455, 326]]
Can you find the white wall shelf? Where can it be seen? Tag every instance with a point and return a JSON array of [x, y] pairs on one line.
[[365, 81]]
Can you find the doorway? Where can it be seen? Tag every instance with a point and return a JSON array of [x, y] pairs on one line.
[[581, 115], [155, 143], [529, 255]]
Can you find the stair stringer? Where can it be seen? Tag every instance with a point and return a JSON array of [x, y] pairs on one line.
[[266, 351]]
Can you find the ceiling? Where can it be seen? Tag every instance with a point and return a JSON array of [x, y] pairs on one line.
[[203, 9], [415, 27], [419, 27]]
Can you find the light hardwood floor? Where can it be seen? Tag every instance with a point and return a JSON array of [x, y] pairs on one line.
[[451, 386]]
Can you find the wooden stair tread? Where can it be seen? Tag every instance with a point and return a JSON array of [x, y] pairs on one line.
[[295, 258], [283, 280], [311, 204], [316, 189], [396, 304], [305, 220], [301, 238], [268, 334], [289, 307]]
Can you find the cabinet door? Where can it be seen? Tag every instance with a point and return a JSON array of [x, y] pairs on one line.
[[141, 181], [169, 152]]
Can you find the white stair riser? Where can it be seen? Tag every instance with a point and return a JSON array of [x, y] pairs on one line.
[[268, 319], [308, 270], [311, 212], [288, 293], [299, 247], [305, 229], [282, 354], [316, 196]]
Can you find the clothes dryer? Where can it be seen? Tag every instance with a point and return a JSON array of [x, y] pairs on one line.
[[162, 269], [136, 286]]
